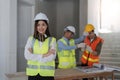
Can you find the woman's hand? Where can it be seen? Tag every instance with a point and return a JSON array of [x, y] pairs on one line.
[[30, 49], [51, 51]]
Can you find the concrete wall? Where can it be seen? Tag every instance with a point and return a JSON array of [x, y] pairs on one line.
[[83, 15], [67, 14], [49, 8], [94, 13], [61, 13], [8, 37], [24, 29]]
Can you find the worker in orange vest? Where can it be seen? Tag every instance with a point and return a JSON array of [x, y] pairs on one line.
[[93, 47]]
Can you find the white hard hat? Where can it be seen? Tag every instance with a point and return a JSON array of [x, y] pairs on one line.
[[41, 16], [70, 28]]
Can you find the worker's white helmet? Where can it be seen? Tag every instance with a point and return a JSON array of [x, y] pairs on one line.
[[41, 16], [70, 28]]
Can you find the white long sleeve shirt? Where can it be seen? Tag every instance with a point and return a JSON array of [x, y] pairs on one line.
[[38, 57]]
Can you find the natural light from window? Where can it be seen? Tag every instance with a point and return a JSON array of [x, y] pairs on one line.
[[110, 15]]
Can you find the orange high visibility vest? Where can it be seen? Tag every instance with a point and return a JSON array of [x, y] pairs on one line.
[[87, 57]]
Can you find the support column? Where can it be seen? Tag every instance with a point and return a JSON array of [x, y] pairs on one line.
[[83, 13], [8, 38]]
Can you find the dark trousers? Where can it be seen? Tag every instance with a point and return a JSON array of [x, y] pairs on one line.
[[85, 78], [84, 65], [38, 77]]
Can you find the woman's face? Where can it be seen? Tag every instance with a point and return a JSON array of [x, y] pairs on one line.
[[41, 27]]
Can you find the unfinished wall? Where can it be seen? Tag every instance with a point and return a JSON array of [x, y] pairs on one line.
[[8, 40]]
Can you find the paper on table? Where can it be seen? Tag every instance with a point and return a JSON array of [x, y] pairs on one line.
[[111, 68]]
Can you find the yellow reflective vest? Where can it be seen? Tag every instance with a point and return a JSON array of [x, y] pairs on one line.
[[67, 57], [42, 68]]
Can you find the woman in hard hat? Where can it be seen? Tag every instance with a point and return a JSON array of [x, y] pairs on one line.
[[66, 48], [40, 51], [93, 47]]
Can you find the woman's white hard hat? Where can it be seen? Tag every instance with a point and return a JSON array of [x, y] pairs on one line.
[[41, 16]]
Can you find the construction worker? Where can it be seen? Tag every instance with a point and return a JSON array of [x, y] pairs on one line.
[[40, 51], [66, 48], [93, 47]]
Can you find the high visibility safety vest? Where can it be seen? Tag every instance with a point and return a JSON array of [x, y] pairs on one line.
[[35, 67], [66, 57], [87, 57]]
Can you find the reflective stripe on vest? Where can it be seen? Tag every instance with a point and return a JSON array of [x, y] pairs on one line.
[[41, 67], [33, 66], [47, 67], [90, 59], [65, 63]]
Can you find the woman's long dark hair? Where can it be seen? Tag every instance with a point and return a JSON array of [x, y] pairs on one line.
[[36, 34]]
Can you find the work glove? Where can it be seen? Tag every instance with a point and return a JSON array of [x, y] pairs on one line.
[[88, 48], [81, 45], [85, 33], [83, 49]]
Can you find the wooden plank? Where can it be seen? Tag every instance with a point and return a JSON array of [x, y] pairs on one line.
[[70, 74]]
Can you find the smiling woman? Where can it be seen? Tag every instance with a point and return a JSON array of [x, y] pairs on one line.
[[40, 51], [41, 29]]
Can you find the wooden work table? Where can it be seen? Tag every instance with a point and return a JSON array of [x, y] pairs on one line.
[[65, 74], [73, 74]]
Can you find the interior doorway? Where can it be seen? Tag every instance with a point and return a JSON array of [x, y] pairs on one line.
[[24, 30]]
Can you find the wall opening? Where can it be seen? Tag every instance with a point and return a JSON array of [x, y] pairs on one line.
[[109, 17]]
